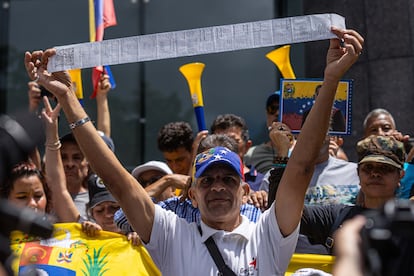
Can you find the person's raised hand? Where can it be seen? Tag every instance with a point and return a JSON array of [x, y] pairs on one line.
[[58, 83], [343, 52], [50, 115], [400, 137], [333, 147], [184, 192], [104, 85], [34, 95], [197, 140], [178, 181], [281, 137]]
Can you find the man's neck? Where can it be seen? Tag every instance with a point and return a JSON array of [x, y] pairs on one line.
[[374, 203], [227, 226], [75, 188]]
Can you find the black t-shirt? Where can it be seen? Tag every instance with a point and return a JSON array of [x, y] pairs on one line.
[[320, 221]]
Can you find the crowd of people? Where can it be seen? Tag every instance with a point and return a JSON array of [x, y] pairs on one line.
[[246, 208]]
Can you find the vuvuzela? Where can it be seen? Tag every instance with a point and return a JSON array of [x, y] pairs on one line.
[[281, 57], [192, 73]]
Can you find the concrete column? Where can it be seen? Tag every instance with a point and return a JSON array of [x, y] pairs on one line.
[[384, 75]]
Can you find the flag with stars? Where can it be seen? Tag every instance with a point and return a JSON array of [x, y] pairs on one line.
[[71, 252], [217, 155]]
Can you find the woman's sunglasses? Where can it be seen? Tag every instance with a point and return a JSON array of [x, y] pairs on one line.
[[272, 109]]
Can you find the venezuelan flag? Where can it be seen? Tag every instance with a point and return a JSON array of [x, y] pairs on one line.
[[71, 252], [75, 75], [101, 16], [315, 261]]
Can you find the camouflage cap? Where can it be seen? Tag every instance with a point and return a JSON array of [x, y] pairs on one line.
[[381, 149]]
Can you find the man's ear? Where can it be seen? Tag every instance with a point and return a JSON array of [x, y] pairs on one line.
[[402, 173], [340, 141], [246, 192], [191, 195], [249, 143], [246, 188]]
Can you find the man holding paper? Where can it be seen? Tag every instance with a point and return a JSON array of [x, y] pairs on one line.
[[177, 247]]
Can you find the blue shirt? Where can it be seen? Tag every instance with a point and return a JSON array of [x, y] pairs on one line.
[[406, 182], [184, 210], [253, 178]]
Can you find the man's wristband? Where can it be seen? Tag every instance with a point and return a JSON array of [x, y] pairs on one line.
[[53, 146], [79, 122], [280, 160]]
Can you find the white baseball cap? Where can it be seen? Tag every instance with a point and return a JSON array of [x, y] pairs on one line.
[[151, 165]]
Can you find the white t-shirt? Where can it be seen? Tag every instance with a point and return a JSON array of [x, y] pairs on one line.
[[80, 200], [334, 181], [251, 249]]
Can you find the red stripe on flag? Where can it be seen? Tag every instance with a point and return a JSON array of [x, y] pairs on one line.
[[96, 76], [99, 32], [108, 19]]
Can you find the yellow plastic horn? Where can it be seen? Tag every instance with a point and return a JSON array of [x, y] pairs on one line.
[[281, 57], [192, 73]]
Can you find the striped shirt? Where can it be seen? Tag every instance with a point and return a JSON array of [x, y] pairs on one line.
[[186, 211]]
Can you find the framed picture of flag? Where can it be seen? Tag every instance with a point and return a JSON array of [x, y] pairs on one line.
[[298, 96]]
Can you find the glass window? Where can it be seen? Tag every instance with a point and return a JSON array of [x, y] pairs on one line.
[[151, 94]]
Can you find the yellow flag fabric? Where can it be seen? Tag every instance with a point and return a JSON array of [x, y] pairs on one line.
[[92, 28], [305, 88], [71, 252], [321, 262], [76, 76]]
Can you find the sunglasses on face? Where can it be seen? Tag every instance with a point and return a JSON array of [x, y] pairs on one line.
[[146, 182], [228, 180], [272, 109], [380, 168]]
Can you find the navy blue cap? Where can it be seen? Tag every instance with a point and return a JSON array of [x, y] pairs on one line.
[[217, 155], [97, 191], [70, 138], [274, 96]]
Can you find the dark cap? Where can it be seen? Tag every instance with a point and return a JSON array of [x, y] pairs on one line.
[[217, 155], [97, 191], [381, 149], [108, 141], [70, 138], [274, 96]]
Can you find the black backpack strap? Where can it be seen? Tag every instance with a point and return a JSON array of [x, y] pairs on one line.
[[223, 268], [329, 243]]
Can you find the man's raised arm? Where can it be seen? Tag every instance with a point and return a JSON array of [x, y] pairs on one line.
[[131, 196], [342, 53]]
